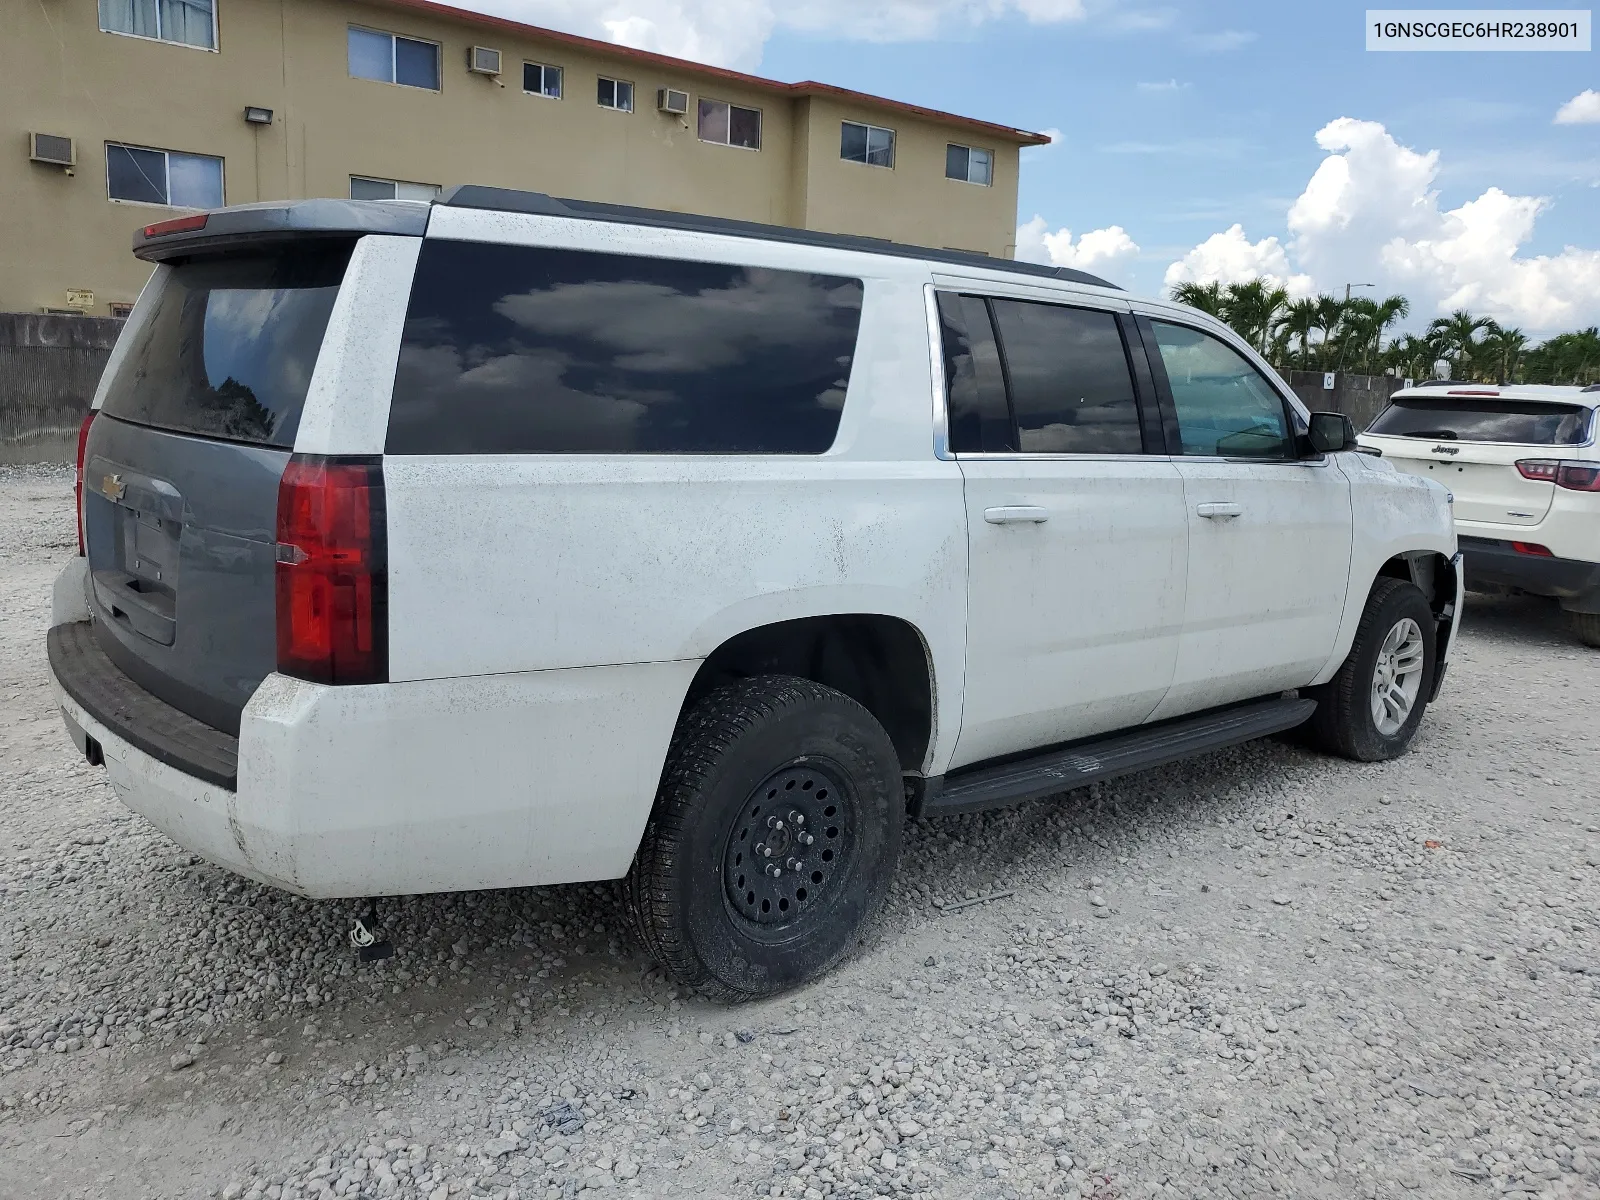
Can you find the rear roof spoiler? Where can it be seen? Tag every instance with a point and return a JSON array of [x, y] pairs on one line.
[[256, 223]]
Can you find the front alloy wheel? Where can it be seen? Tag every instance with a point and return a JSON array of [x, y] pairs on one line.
[[1371, 708]]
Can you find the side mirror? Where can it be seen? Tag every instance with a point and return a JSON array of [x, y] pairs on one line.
[[1331, 432]]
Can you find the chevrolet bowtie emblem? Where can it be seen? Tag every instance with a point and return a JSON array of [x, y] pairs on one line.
[[112, 487]]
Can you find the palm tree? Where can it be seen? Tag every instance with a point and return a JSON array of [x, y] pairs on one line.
[[1207, 297], [1253, 310], [1504, 349], [1299, 319], [1456, 336], [1330, 315]]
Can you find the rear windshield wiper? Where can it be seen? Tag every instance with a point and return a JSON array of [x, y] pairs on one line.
[[1448, 434]]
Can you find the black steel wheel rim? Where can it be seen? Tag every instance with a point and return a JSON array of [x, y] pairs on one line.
[[792, 844]]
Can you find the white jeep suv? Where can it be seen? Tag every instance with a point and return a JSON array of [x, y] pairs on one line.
[[508, 541], [1522, 463]]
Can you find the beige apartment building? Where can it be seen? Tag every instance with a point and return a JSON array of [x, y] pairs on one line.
[[118, 113]]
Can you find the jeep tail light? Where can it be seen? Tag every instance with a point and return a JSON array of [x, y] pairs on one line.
[[1574, 476], [1532, 548], [1541, 469], [77, 485], [1579, 477], [332, 587]]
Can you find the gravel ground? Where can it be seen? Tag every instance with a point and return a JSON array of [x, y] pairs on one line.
[[1258, 973]]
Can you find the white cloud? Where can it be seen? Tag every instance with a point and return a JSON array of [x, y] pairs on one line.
[[1582, 109], [1055, 135], [1096, 250], [1231, 257], [1163, 85], [712, 31], [1371, 213]]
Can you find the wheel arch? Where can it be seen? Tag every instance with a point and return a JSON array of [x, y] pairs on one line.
[[1436, 574], [882, 662]]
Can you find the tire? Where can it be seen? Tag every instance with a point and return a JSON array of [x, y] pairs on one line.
[[1344, 722], [752, 751], [1587, 627]]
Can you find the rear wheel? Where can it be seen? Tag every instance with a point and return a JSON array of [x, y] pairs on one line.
[[1587, 627], [773, 838], [1371, 709]]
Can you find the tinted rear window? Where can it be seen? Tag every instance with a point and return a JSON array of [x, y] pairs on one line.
[[230, 343], [1483, 419], [532, 350]]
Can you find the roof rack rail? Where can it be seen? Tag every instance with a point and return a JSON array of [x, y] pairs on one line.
[[1422, 383], [470, 195]]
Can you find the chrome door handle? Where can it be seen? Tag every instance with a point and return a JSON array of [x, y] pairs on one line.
[[1218, 511], [1015, 514]]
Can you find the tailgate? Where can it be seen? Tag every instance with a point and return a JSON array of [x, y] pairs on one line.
[[181, 471], [1484, 479]]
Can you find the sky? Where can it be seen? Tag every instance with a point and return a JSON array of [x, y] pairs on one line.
[[1216, 141]]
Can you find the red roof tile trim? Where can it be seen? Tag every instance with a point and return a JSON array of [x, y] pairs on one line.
[[1021, 137]]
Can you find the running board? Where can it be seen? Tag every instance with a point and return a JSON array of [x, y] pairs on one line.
[[1068, 767]]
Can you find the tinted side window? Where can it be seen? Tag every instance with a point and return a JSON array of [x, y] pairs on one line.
[[975, 389], [531, 350], [1224, 407], [1070, 385]]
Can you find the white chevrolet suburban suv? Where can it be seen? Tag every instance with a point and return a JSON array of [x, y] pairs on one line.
[[1524, 467], [507, 541]]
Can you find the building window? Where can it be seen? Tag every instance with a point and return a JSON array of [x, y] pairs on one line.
[[389, 58], [140, 175], [616, 93], [367, 187], [729, 125], [866, 144], [185, 22], [541, 79], [968, 164], [121, 308]]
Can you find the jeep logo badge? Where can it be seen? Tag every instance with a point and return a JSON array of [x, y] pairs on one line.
[[1447, 449]]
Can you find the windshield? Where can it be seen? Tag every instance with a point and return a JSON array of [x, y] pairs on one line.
[[229, 345], [1483, 419]]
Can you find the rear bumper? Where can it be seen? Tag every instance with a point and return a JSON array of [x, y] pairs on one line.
[[394, 789], [1491, 562]]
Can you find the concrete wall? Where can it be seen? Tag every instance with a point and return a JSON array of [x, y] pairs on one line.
[[1359, 397], [60, 74], [49, 368]]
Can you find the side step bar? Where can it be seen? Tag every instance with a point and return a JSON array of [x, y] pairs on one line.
[[1074, 766]]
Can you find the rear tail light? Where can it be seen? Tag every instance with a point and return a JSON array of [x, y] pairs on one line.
[[1574, 476], [332, 587], [1532, 548], [77, 486], [1579, 477], [1542, 469]]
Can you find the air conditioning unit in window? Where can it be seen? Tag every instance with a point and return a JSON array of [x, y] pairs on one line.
[[481, 60], [671, 100], [53, 149]]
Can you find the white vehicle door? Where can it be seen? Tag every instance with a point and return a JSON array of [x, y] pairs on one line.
[[1077, 538], [1269, 532]]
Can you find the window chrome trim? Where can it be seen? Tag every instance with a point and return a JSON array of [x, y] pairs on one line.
[[941, 406]]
